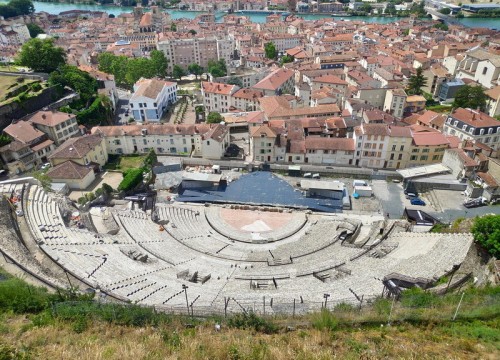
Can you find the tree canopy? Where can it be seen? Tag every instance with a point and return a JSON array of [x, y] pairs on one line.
[[41, 55], [195, 69], [16, 8], [217, 68], [470, 97], [91, 109], [233, 80], [286, 59], [127, 71], [34, 30], [486, 231], [417, 82], [270, 50], [78, 80], [214, 118], [178, 72]]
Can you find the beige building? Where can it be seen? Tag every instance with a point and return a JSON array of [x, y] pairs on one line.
[[76, 176], [394, 103], [428, 148], [200, 140], [89, 150], [398, 147], [58, 126]]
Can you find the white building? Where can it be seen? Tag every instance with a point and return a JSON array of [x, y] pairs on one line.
[[217, 96], [481, 66], [395, 100], [203, 140], [152, 98]]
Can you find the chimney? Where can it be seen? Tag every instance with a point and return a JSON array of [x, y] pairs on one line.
[[44, 116]]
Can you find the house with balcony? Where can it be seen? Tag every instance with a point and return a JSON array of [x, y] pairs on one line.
[[151, 99], [29, 147]]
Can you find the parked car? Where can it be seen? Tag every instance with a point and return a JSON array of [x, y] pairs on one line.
[[417, 201], [472, 203], [411, 195], [232, 150], [45, 166]]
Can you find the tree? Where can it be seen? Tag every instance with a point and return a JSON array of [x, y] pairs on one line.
[[217, 68], [41, 55], [233, 80], [286, 59], [470, 97], [159, 63], [417, 82], [173, 27], [178, 72], [270, 50], [78, 80], [16, 8], [192, 32], [4, 140], [34, 30], [195, 69], [445, 11], [214, 118], [486, 231]]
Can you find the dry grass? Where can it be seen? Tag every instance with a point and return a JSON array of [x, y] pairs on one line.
[[5, 83], [174, 341]]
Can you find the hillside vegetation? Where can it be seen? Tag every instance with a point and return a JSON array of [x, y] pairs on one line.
[[35, 324]]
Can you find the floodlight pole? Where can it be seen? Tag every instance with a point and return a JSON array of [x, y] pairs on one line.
[[326, 296], [184, 287]]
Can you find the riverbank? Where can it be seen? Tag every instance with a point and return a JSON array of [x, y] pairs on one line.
[[56, 8]]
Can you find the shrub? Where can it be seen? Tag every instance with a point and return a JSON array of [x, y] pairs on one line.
[[252, 321], [324, 321], [486, 231], [131, 178]]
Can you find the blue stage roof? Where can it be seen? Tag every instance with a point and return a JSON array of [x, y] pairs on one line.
[[260, 188]]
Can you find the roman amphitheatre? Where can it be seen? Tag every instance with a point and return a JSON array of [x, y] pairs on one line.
[[230, 256]]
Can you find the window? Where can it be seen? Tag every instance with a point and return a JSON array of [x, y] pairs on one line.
[[455, 123], [208, 143], [402, 148], [393, 147], [485, 70], [131, 105], [471, 130], [158, 141], [415, 150], [155, 104], [464, 127], [425, 150], [145, 141], [481, 132], [400, 156], [392, 157], [424, 157], [435, 157], [171, 141], [490, 131]]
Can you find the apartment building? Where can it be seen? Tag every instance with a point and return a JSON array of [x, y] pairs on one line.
[[284, 41], [398, 147], [263, 145], [428, 148], [204, 140], [58, 126], [481, 66], [372, 142], [217, 96], [14, 34], [468, 124], [184, 51], [151, 98], [280, 81], [394, 103], [246, 99]]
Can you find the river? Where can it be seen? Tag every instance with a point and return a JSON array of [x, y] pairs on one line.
[[56, 8]]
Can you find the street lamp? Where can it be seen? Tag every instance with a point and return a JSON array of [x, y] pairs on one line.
[[184, 287], [326, 296]]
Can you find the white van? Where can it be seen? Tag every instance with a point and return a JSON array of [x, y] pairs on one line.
[[359, 183]]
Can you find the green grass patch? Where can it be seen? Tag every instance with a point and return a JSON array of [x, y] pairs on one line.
[[440, 108], [124, 162]]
